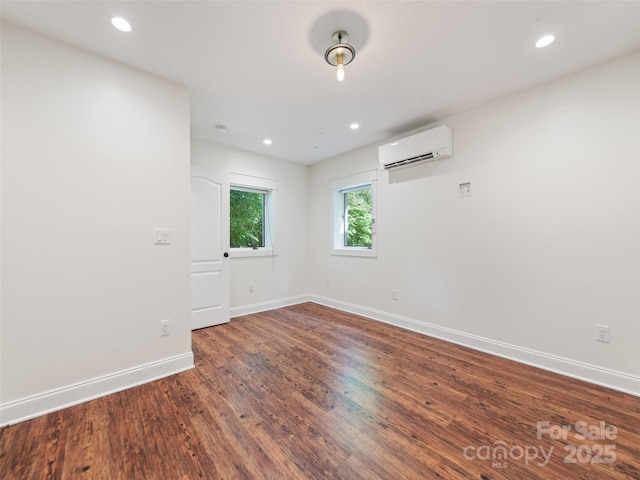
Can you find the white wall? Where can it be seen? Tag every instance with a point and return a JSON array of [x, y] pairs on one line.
[[94, 156], [282, 279], [547, 246]]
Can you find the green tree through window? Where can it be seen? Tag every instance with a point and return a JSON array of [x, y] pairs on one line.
[[357, 217], [246, 218]]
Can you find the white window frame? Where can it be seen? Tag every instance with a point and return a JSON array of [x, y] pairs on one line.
[[268, 186], [338, 187]]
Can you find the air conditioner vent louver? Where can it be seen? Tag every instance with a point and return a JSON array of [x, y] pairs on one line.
[[409, 161], [427, 146]]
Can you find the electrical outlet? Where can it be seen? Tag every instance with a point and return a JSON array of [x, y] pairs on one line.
[[603, 333], [394, 294], [327, 282], [165, 327], [252, 287]]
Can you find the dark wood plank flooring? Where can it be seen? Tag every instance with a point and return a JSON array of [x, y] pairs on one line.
[[308, 392]]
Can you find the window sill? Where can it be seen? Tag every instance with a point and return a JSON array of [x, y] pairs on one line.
[[250, 252], [354, 252]]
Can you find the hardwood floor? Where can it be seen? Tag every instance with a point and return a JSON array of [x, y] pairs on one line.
[[309, 392]]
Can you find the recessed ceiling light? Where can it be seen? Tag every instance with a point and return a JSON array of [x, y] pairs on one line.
[[544, 41], [121, 24], [267, 141], [354, 126]]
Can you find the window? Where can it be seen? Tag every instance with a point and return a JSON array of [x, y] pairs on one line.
[[252, 208], [246, 217], [354, 215]]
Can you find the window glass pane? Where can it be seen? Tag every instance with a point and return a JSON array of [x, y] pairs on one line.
[[246, 218], [357, 217]]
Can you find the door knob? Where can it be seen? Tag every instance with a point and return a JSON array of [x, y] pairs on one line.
[[226, 254]]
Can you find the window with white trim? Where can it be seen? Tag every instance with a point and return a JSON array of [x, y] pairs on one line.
[[252, 208], [354, 215]]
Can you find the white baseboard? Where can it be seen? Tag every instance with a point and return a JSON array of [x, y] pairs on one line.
[[270, 305], [623, 382], [41, 404]]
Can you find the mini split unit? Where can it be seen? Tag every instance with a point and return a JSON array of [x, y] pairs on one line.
[[427, 146]]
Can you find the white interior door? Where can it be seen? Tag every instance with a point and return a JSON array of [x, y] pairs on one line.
[[209, 246]]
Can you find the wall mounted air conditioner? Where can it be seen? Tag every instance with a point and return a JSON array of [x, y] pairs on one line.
[[427, 146]]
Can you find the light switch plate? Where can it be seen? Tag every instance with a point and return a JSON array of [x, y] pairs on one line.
[[162, 236]]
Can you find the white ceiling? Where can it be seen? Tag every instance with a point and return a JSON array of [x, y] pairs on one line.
[[257, 67]]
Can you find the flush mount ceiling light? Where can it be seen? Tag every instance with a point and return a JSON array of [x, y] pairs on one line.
[[544, 41], [121, 24], [340, 53]]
